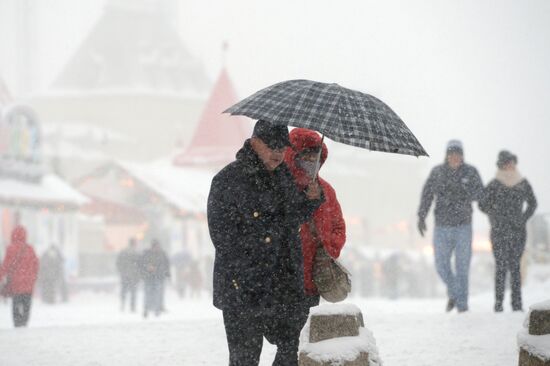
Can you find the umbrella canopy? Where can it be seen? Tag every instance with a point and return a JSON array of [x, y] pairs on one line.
[[341, 114]]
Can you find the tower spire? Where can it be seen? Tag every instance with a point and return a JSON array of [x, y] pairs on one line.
[[225, 48]]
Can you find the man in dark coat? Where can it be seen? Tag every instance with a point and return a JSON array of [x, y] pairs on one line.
[[503, 201], [155, 268], [254, 214], [454, 185], [128, 266]]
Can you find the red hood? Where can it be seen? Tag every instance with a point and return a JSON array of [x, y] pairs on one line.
[[19, 235], [302, 139]]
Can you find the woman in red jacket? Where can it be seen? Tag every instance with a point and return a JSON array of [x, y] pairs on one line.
[[18, 272], [327, 226]]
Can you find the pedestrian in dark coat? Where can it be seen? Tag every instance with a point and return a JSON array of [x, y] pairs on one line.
[[254, 215], [51, 275], [128, 266], [18, 273], [155, 268], [504, 201], [454, 185]]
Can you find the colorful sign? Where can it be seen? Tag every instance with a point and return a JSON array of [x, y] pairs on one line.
[[20, 142]]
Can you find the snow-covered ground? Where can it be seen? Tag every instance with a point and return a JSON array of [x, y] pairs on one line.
[[90, 331]]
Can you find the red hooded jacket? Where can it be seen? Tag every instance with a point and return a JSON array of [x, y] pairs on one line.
[[327, 218], [20, 263]]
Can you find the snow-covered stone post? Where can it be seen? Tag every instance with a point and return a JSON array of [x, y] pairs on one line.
[[336, 335], [534, 341]]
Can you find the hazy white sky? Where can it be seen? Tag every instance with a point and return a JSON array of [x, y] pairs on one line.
[[470, 69]]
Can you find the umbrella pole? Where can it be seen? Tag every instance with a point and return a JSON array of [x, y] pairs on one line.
[[318, 162]]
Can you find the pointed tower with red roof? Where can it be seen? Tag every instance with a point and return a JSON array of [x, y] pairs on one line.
[[218, 135]]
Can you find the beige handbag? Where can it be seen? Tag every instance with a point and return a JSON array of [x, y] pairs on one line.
[[332, 279]]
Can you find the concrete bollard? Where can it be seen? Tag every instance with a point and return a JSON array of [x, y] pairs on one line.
[[334, 326], [539, 322], [534, 342], [335, 335]]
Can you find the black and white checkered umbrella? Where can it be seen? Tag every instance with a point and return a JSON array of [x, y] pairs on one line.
[[341, 114]]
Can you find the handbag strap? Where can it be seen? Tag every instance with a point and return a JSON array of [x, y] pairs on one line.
[[315, 234]]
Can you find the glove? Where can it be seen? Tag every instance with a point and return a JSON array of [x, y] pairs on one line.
[[422, 226]]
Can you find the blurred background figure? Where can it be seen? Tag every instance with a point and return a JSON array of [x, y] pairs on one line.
[[195, 278], [51, 277], [128, 266], [454, 185], [504, 200], [392, 276], [208, 270], [181, 261], [155, 268], [18, 276]]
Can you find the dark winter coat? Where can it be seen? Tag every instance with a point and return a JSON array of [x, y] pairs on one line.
[[128, 265], [155, 265], [328, 220], [505, 205], [20, 265], [51, 266], [454, 191], [254, 216]]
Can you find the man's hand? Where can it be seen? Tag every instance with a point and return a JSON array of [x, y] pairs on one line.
[[313, 191], [422, 226]]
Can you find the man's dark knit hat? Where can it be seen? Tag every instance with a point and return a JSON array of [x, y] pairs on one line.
[[274, 136], [455, 146]]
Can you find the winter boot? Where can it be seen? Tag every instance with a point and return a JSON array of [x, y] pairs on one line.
[[450, 305]]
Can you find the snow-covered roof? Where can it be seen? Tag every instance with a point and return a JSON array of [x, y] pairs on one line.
[[79, 130], [69, 150], [50, 191], [185, 188]]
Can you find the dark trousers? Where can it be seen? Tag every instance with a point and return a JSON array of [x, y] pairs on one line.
[[21, 309], [128, 287], [507, 250], [280, 325]]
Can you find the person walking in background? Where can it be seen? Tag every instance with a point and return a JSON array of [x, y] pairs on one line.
[[254, 214], [454, 185], [181, 261], [128, 267], [194, 277], [18, 275], [504, 202], [155, 268], [51, 275], [327, 226]]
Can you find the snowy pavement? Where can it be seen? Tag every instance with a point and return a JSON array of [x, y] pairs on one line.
[[90, 331]]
